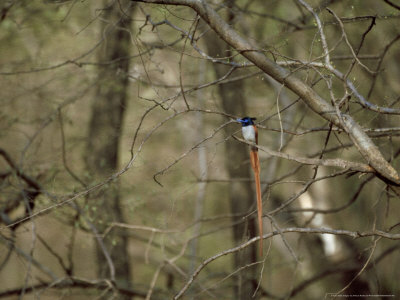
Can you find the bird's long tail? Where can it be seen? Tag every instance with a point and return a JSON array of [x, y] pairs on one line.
[[255, 164]]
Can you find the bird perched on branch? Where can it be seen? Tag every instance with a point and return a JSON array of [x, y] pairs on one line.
[[250, 134]]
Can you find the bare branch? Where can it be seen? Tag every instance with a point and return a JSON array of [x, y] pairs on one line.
[[352, 234], [339, 163], [363, 143]]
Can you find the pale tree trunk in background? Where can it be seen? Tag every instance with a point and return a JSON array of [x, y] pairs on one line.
[[241, 194], [105, 133], [203, 174], [203, 170]]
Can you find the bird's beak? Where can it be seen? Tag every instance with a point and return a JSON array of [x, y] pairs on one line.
[[239, 120]]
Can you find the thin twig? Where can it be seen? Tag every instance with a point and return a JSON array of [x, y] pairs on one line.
[[352, 234]]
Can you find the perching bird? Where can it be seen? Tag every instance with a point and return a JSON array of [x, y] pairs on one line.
[[250, 134]]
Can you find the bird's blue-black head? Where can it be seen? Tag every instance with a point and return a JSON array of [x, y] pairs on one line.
[[246, 121]]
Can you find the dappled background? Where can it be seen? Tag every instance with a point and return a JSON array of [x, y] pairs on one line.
[[123, 174]]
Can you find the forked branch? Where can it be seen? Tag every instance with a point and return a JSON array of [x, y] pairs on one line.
[[364, 144]]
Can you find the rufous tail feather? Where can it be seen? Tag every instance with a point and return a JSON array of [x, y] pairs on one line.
[[255, 164]]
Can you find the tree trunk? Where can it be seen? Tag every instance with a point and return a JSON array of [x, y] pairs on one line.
[[241, 194], [105, 133]]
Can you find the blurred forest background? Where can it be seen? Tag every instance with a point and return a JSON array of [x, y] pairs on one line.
[[123, 174]]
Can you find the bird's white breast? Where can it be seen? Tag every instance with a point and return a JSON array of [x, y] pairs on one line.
[[249, 133]]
